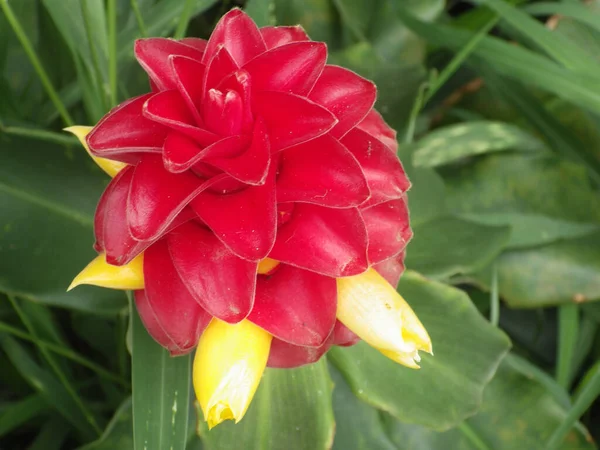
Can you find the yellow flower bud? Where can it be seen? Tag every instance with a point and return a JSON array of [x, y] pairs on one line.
[[229, 363], [370, 307], [100, 273], [266, 265], [109, 166]]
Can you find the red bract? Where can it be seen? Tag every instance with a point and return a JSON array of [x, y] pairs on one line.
[[250, 146]]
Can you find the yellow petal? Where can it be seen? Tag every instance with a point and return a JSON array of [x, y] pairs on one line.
[[100, 273], [266, 265], [370, 307], [110, 167], [229, 363]]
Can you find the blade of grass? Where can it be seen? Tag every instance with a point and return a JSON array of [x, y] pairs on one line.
[[574, 10], [112, 50], [459, 58], [557, 136], [555, 45], [42, 135], [65, 352], [47, 386], [138, 18], [21, 412], [56, 368], [52, 435], [99, 84], [568, 330], [184, 19], [514, 61], [585, 343], [587, 392], [35, 62]]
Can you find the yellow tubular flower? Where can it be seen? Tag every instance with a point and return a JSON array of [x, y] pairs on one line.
[[229, 363], [110, 167], [100, 273], [370, 307]]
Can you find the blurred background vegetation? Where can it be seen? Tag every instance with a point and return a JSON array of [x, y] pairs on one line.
[[497, 107]]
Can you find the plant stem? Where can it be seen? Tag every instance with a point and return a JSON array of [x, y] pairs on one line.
[[184, 19], [588, 391], [494, 298], [112, 50], [568, 330], [139, 18], [35, 62], [95, 61]]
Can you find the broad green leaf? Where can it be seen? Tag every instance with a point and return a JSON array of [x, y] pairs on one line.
[[427, 195], [357, 425], [448, 245], [523, 183], [261, 11], [21, 412], [529, 230], [118, 434], [515, 62], [449, 386], [47, 386], [561, 272], [455, 142], [518, 411], [48, 195], [291, 410], [161, 392]]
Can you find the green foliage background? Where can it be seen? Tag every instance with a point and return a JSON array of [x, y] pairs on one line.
[[497, 107]]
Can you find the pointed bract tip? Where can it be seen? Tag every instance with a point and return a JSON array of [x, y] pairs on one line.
[[100, 273], [112, 168]]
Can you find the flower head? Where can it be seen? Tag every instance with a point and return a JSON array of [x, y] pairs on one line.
[[252, 177]]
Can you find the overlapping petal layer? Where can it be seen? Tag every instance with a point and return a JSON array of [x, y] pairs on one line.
[[250, 153]]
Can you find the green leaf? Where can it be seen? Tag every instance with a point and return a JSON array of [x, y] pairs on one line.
[[261, 11], [577, 11], [523, 183], [455, 142], [48, 195], [555, 45], [357, 425], [52, 435], [529, 230], [161, 392], [22, 411], [317, 17], [118, 433], [47, 386], [449, 245], [291, 410], [562, 272], [515, 62], [449, 386], [518, 411]]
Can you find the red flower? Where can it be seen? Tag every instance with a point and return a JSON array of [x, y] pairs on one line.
[[250, 147]]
